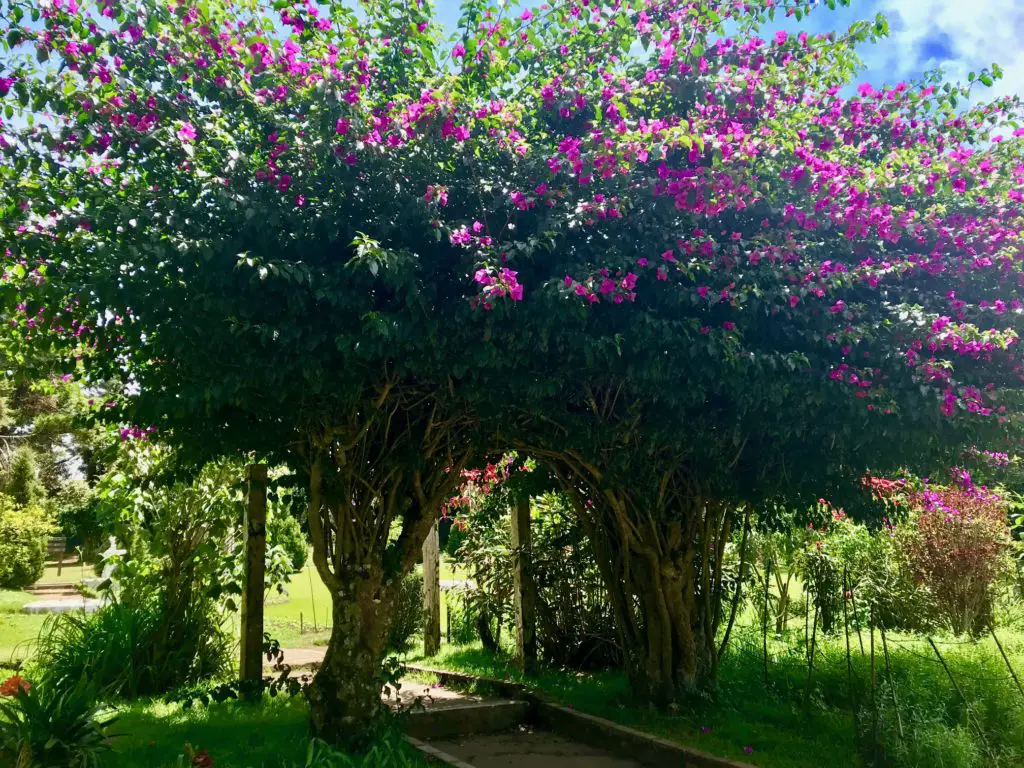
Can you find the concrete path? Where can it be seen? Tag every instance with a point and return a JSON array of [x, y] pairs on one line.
[[63, 597], [524, 747], [70, 605]]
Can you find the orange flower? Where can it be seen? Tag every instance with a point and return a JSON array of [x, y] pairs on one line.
[[13, 684]]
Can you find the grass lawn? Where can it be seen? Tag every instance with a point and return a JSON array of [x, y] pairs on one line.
[[289, 617], [306, 600], [17, 630], [307, 597], [273, 734], [69, 574]]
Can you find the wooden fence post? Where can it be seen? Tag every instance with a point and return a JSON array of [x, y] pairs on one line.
[[255, 566], [764, 618], [431, 593], [525, 588]]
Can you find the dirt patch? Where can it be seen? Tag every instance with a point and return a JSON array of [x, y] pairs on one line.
[[302, 657], [525, 747]]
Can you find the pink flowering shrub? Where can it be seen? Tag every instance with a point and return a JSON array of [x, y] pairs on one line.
[[959, 552]]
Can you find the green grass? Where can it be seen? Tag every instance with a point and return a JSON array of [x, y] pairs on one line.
[[272, 734], [787, 728], [289, 618], [150, 734], [17, 630], [300, 618], [69, 574], [306, 597]]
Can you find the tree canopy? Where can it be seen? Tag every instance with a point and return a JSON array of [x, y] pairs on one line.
[[687, 266]]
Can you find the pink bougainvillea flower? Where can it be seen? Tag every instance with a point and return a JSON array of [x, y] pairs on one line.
[[187, 132]]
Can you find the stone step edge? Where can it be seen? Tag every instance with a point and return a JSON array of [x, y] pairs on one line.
[[589, 729], [438, 755]]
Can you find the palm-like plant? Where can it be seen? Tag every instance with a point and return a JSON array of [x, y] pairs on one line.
[[42, 727]]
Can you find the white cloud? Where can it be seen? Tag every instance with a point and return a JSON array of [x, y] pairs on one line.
[[959, 35]]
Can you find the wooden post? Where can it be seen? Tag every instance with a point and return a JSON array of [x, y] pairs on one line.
[[1006, 659], [764, 618], [849, 661], [874, 699], [810, 657], [525, 588], [892, 683], [431, 594], [255, 565]]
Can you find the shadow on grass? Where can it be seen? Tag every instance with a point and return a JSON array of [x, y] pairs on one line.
[[152, 734]]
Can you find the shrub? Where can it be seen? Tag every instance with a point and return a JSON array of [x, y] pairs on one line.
[[486, 553], [47, 727], [462, 617], [406, 618], [959, 551], [128, 650], [21, 479], [23, 535], [284, 531], [80, 516], [575, 625]]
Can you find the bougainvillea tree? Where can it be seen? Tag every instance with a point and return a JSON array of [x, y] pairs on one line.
[[688, 272]]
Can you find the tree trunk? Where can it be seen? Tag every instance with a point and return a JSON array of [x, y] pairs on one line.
[[483, 628], [667, 656], [660, 551], [344, 698]]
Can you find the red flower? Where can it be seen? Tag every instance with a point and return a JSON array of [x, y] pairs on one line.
[[202, 759], [13, 684]]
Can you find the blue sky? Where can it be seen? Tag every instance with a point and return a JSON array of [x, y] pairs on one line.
[[959, 35]]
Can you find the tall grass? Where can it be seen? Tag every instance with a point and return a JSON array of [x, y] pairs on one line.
[[121, 651]]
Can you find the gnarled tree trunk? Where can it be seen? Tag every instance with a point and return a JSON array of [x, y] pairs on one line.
[[345, 695], [662, 560], [393, 462]]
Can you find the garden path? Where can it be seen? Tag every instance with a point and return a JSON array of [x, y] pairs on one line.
[[524, 747], [433, 696], [58, 597], [520, 747]]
